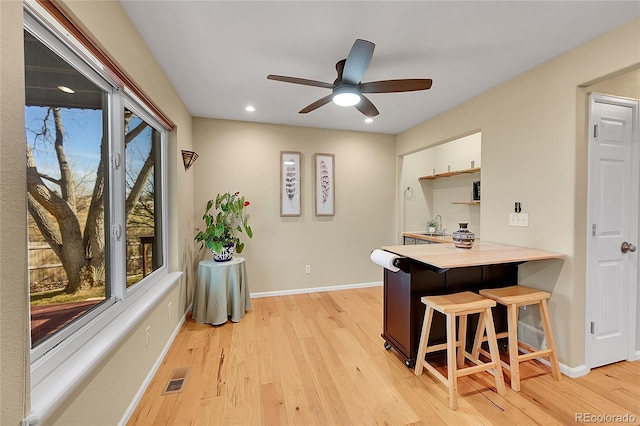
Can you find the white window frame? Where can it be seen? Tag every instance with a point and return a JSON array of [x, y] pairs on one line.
[[59, 366], [34, 28], [130, 102]]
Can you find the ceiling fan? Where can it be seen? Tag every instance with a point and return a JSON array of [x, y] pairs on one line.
[[347, 89]]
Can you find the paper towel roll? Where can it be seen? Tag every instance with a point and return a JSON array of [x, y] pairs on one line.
[[385, 259]]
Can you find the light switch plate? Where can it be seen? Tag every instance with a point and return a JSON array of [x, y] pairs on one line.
[[519, 219]]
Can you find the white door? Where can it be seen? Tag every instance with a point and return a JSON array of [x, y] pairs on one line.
[[613, 220]]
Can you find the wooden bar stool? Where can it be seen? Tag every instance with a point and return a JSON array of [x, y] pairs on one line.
[[513, 297], [452, 306]]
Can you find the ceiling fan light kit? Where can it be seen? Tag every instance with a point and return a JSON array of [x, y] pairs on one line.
[[348, 89], [346, 95]]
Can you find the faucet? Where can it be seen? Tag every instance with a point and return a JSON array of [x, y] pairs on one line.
[[439, 228]]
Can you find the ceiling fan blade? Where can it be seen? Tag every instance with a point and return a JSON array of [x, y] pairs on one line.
[[302, 81], [317, 104], [366, 107], [358, 61], [391, 86]]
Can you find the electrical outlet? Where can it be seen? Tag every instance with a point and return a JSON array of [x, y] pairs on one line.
[[307, 269], [169, 310], [519, 219], [147, 335]]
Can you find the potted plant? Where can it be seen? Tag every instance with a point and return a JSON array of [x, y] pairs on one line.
[[432, 224], [224, 219]]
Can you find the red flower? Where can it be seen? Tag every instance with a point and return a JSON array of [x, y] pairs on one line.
[[237, 193], [246, 203]]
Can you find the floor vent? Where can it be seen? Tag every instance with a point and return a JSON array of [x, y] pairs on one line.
[[177, 381], [531, 336]]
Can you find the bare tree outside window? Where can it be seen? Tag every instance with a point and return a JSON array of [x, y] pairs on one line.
[[143, 253], [67, 164]]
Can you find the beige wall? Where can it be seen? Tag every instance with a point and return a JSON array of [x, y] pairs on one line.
[[241, 156], [14, 346], [120, 376], [624, 85], [534, 151]]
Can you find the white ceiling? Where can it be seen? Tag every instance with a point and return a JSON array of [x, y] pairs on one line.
[[218, 54]]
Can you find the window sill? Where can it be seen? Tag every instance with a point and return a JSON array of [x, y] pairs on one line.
[[50, 392]]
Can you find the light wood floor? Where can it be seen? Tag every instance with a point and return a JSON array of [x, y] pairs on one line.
[[318, 359]]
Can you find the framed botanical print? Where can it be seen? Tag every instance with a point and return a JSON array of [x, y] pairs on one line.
[[324, 184], [290, 183]]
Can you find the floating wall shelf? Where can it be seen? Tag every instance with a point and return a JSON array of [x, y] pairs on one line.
[[449, 174], [466, 202]]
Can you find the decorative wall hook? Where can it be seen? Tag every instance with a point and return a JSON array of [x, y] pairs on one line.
[[188, 158]]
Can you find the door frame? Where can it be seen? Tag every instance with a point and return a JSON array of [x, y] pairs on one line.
[[633, 353]]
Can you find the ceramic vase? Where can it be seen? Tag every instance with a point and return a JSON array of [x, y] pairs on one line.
[[463, 238], [225, 255]]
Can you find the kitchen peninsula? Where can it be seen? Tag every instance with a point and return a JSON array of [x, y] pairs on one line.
[[435, 269]]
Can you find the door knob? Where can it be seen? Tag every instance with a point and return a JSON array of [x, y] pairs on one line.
[[627, 247]]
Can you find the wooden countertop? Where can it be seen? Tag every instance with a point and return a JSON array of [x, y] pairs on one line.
[[433, 238], [447, 256]]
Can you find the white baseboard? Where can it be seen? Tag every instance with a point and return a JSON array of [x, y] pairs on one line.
[[154, 369], [573, 372], [583, 370], [314, 289]]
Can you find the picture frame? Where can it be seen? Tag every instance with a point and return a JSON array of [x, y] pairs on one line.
[[324, 184], [290, 183]]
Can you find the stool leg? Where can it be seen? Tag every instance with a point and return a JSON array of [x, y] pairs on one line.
[[462, 339], [546, 323], [477, 341], [495, 354], [424, 340], [514, 364], [451, 362]]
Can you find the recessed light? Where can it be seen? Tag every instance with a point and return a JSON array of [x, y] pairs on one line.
[[368, 120], [250, 108], [65, 89]]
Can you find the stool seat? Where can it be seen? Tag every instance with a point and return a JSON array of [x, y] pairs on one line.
[[515, 294], [459, 305], [458, 302], [513, 298]]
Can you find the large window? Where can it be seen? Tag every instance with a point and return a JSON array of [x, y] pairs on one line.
[[94, 191]]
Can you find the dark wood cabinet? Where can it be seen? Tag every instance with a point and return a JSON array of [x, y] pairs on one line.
[[404, 312]]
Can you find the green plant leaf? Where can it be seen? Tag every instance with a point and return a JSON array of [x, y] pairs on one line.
[[217, 246]]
